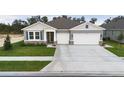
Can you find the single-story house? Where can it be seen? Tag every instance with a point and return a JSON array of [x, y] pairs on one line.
[[63, 31], [113, 30]]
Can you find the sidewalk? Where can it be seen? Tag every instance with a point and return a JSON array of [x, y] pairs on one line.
[[58, 74], [26, 58]]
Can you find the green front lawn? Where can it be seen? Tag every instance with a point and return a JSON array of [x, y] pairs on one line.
[[22, 65], [19, 49], [117, 48]]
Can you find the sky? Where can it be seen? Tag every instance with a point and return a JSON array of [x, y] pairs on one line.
[[10, 18]]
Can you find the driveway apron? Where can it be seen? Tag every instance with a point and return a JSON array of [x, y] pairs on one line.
[[84, 59]]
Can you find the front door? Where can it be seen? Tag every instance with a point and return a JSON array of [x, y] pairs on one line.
[[50, 37]]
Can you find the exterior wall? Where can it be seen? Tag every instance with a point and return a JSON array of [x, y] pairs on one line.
[[113, 34], [44, 41], [24, 32], [87, 33], [38, 27], [87, 26], [79, 37], [62, 37]]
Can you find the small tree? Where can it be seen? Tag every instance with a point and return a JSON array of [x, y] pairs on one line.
[[7, 44]]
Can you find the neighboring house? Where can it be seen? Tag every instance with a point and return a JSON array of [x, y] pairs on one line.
[[63, 31], [113, 30]]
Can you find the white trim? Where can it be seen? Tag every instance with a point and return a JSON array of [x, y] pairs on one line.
[[29, 35], [34, 36], [26, 28], [82, 27]]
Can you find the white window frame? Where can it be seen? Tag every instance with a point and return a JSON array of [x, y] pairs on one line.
[[34, 36], [29, 35]]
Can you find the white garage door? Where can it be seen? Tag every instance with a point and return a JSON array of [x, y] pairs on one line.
[[62, 38], [86, 38]]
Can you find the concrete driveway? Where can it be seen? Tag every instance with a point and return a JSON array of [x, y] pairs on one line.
[[84, 60]]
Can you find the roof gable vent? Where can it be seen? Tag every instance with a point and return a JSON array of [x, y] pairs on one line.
[[86, 26]]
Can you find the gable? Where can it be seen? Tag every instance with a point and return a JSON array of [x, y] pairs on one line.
[[87, 26], [38, 26]]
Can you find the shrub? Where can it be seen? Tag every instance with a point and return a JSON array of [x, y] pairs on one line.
[[7, 43], [106, 38]]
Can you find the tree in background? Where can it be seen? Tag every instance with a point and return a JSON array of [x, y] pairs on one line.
[[117, 18], [33, 19], [44, 19], [113, 20], [5, 28], [93, 20], [82, 19], [17, 25], [65, 16], [7, 43], [74, 19], [54, 18], [78, 19], [107, 21]]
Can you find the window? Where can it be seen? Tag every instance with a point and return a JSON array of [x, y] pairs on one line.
[[37, 35], [31, 35]]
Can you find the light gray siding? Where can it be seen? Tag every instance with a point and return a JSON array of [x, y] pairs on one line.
[[113, 34]]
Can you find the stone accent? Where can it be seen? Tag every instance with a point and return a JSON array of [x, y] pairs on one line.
[[39, 42], [35, 42]]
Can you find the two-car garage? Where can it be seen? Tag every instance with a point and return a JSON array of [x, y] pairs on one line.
[[86, 38], [86, 33], [78, 38]]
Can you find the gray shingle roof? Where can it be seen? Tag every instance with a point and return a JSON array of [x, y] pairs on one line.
[[63, 23], [114, 25]]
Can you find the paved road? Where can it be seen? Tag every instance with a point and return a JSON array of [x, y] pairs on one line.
[[26, 58], [84, 60]]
